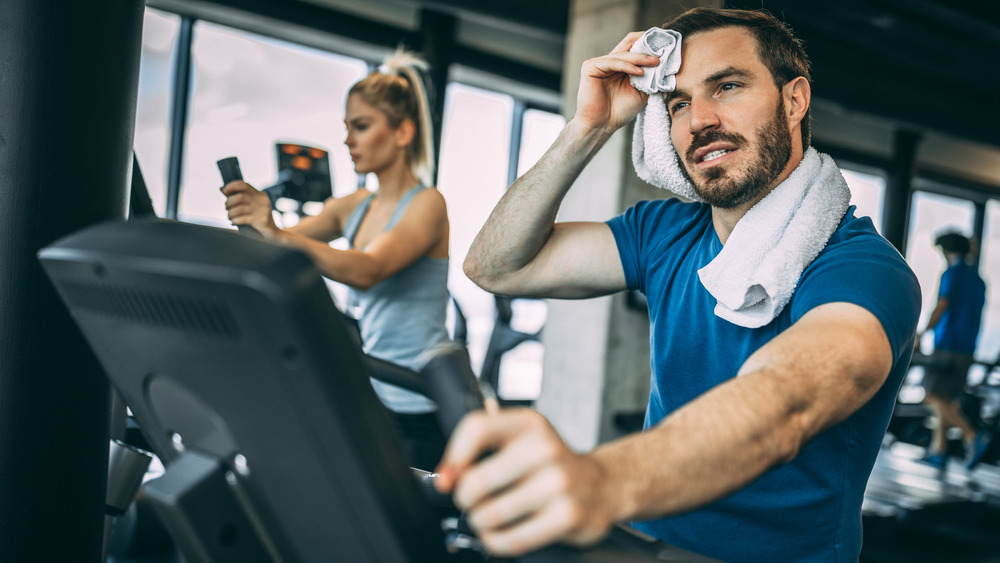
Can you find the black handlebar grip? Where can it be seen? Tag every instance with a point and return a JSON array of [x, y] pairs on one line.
[[229, 167], [452, 384], [397, 375]]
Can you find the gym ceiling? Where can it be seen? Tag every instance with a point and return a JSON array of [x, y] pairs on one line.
[[921, 66]]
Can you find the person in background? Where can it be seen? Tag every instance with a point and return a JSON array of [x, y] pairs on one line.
[[955, 323], [396, 267]]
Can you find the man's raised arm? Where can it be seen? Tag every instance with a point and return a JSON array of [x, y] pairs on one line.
[[521, 250]]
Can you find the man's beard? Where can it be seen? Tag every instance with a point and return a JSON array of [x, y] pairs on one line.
[[728, 189]]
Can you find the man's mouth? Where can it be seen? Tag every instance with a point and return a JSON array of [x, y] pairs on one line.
[[712, 147], [706, 158], [716, 154]]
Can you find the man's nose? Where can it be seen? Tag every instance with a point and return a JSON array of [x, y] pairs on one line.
[[704, 116]]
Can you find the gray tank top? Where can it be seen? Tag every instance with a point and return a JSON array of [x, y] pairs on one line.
[[403, 315]]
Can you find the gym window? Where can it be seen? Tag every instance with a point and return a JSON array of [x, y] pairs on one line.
[[247, 92]]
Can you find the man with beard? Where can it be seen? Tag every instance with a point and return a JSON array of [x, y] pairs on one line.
[[759, 440]]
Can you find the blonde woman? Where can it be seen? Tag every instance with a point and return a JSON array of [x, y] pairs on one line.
[[397, 265]]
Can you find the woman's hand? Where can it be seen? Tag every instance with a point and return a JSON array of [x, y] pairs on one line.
[[247, 205]]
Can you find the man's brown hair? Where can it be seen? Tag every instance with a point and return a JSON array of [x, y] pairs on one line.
[[781, 52]]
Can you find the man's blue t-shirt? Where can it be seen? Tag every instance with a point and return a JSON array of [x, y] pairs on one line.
[[810, 508], [965, 291]]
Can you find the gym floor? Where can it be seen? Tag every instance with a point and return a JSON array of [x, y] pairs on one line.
[[915, 513]]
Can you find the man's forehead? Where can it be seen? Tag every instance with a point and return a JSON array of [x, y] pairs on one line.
[[706, 52], [731, 42]]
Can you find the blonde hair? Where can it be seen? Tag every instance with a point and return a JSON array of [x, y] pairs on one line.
[[397, 90]]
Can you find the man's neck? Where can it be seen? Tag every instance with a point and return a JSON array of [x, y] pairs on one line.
[[725, 220]]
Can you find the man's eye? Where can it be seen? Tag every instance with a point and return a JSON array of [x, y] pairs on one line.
[[677, 107], [729, 86]]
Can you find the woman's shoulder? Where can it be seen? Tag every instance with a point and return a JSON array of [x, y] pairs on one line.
[[344, 205], [429, 198]]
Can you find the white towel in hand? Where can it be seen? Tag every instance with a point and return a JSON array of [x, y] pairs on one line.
[[653, 153], [666, 44], [755, 274]]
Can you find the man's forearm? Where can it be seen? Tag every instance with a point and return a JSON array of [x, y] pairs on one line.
[[789, 391], [690, 459], [522, 221]]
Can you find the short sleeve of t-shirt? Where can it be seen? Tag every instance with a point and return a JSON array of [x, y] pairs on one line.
[[858, 266], [639, 232]]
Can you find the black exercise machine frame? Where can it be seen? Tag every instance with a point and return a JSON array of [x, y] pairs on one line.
[[251, 387]]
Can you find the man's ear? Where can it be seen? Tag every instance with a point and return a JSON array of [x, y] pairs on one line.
[[405, 133], [797, 94]]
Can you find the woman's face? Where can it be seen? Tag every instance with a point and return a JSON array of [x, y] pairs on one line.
[[373, 143]]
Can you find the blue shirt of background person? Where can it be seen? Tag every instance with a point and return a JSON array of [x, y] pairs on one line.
[[966, 294], [955, 322]]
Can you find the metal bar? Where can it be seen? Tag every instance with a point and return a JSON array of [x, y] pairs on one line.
[[898, 188], [437, 44], [181, 78], [516, 132]]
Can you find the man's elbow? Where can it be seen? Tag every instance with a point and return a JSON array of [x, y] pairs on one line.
[[476, 271], [790, 443], [799, 427], [471, 267]]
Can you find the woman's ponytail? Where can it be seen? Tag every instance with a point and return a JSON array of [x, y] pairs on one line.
[[397, 89]]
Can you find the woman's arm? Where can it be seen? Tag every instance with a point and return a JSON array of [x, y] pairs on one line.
[[422, 230], [329, 223]]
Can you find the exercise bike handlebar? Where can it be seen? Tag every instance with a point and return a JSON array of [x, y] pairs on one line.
[[446, 378], [229, 167], [451, 384]]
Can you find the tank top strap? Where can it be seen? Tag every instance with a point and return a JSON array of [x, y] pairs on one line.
[[401, 206], [354, 219]]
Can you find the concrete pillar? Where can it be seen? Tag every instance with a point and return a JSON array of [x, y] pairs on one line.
[[899, 188], [68, 79], [437, 41], [597, 351]]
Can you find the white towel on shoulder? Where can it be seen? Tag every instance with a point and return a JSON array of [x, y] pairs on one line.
[[755, 274]]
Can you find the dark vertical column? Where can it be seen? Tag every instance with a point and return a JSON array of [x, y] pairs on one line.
[[179, 103], [898, 188], [437, 39], [516, 132], [978, 232], [68, 80]]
